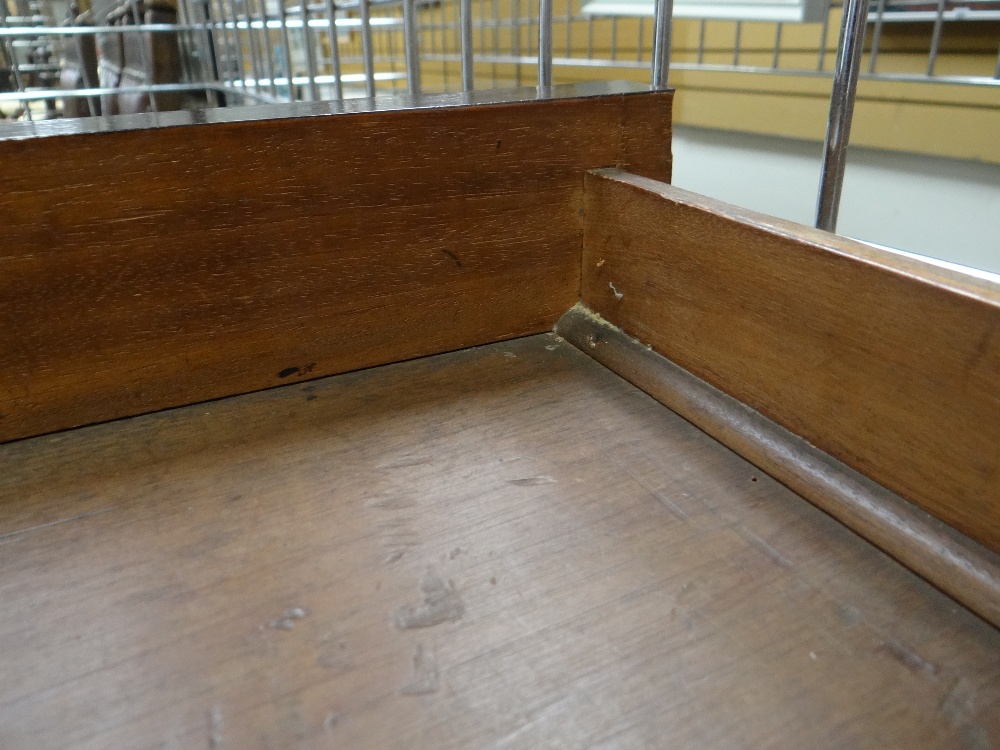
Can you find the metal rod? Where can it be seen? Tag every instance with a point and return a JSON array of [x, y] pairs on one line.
[[253, 61], [256, 61], [544, 42], [47, 94], [443, 28], [838, 132], [331, 12], [614, 38], [15, 67], [366, 48], [147, 66], [515, 37], [701, 42], [286, 48], [661, 43], [777, 44], [307, 40], [877, 35], [590, 37], [412, 39], [936, 39], [642, 33], [736, 43], [496, 37], [823, 34], [230, 57], [239, 42], [465, 19], [218, 43], [268, 49], [569, 28], [996, 73]]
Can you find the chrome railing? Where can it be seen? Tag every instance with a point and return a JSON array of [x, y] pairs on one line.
[[263, 51]]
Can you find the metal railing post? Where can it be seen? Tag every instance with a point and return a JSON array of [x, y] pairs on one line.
[[544, 42], [661, 43], [465, 21], [411, 34], [838, 131]]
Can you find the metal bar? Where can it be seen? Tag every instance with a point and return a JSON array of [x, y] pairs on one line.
[[14, 65], [824, 33], [366, 47], [838, 132], [736, 43], [614, 38], [661, 43], [496, 37], [876, 35], [465, 19], [230, 56], [701, 42], [286, 48], [642, 33], [515, 36], [569, 28], [590, 37], [255, 56], [144, 54], [307, 40], [412, 38], [268, 49], [239, 42], [996, 73], [777, 44], [544, 42], [331, 12], [47, 94], [936, 39], [212, 41]]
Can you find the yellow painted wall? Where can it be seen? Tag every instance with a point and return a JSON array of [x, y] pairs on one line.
[[953, 120]]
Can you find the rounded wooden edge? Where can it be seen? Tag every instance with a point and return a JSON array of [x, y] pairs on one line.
[[958, 566]]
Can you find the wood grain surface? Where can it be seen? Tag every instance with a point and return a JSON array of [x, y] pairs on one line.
[[958, 566], [504, 547], [149, 268], [888, 364]]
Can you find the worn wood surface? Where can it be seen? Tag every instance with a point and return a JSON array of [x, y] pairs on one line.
[[888, 364], [143, 269], [507, 546], [963, 569]]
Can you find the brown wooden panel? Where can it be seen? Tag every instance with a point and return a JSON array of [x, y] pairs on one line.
[[888, 364], [149, 268], [590, 571]]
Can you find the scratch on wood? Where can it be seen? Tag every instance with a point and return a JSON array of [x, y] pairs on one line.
[[532, 481], [424, 679], [215, 727], [907, 657], [288, 618], [441, 604], [77, 517]]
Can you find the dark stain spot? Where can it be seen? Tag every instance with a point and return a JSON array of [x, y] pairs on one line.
[[908, 658], [493, 581], [753, 479], [531, 481], [288, 371], [498, 145], [311, 397], [974, 737], [452, 255], [307, 368]]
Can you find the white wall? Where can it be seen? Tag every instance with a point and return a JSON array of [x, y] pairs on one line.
[[945, 208]]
